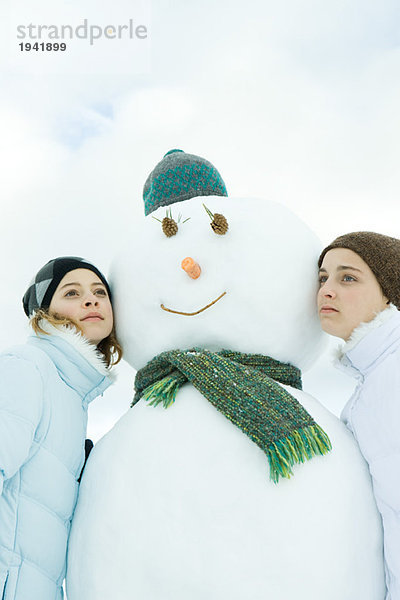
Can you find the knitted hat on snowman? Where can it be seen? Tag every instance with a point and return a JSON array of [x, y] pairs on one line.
[[180, 176]]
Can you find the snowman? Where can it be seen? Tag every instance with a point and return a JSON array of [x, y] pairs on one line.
[[224, 480]]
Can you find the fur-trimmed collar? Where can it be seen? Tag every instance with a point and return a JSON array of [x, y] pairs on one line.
[[81, 344], [364, 328]]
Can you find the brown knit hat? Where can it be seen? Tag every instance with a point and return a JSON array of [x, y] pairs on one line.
[[382, 255]]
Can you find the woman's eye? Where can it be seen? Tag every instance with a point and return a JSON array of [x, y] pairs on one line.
[[348, 278], [101, 292], [70, 293], [322, 279]]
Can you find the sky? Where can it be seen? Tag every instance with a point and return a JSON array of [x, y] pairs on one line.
[[296, 102]]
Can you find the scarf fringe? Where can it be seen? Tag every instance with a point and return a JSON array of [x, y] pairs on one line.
[[162, 392], [295, 449], [302, 445]]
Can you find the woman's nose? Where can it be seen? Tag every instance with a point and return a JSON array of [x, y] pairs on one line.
[[191, 267], [90, 299], [327, 291]]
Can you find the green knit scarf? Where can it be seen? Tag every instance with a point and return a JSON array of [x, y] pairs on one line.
[[244, 388]]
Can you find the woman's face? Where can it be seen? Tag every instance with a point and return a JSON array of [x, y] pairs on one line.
[[349, 293], [82, 296]]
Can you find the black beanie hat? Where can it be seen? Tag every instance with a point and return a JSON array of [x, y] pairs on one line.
[[44, 284], [382, 255]]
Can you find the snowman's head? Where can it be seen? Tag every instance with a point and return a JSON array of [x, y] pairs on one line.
[[251, 289]]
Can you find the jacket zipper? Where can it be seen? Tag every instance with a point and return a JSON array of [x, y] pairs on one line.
[[4, 588]]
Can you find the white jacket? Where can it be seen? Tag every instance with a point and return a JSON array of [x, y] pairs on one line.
[[372, 414]]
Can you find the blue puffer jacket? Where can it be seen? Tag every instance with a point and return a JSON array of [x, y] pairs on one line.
[[46, 386]]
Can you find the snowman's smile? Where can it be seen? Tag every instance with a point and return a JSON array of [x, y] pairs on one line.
[[191, 314]]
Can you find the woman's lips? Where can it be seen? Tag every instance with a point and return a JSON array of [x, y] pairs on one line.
[[326, 310], [92, 317]]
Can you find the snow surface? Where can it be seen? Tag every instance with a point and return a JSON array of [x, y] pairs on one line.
[[177, 504]]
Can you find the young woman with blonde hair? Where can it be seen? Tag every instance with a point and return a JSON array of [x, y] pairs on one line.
[[46, 386]]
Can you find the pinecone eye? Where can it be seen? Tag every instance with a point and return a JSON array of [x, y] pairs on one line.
[[169, 225], [219, 224]]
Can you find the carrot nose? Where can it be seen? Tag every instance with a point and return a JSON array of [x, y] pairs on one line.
[[191, 267]]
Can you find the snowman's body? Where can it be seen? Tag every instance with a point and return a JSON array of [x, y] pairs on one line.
[[177, 504]]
